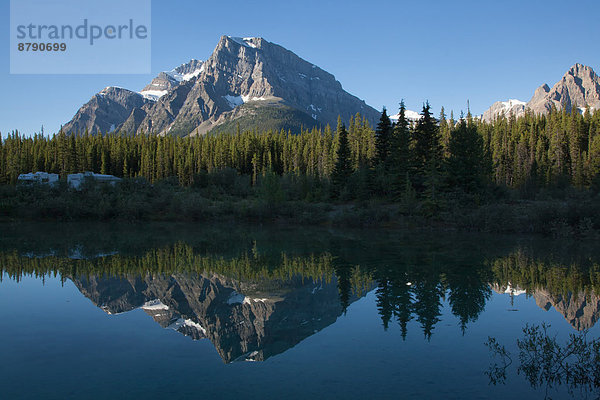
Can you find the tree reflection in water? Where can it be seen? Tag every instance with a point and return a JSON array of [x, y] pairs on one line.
[[545, 363], [413, 286]]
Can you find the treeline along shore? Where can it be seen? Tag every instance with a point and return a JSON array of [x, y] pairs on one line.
[[535, 173]]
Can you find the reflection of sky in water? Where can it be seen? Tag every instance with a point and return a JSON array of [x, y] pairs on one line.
[[57, 344]]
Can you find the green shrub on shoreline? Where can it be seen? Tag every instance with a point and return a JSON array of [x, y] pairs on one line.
[[284, 200]]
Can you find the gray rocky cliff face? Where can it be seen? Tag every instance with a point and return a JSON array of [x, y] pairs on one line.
[[539, 97], [579, 87], [163, 81], [244, 321], [106, 111], [198, 96], [167, 81]]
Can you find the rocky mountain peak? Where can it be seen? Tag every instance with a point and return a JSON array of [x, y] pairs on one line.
[[510, 107], [190, 67], [542, 90], [581, 71], [247, 81], [250, 42], [579, 87], [167, 81], [106, 110]]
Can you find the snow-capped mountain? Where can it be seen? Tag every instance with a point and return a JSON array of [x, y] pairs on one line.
[[166, 81], [579, 87], [411, 116], [246, 81], [512, 106]]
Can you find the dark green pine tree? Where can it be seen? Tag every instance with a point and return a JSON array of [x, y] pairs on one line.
[[383, 138], [465, 163], [343, 165], [427, 153], [400, 156]]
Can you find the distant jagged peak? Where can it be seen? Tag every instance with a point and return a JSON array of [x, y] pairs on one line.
[[253, 42], [541, 91], [187, 71], [168, 80], [116, 93], [189, 66], [580, 70], [510, 107], [579, 87], [513, 102], [109, 89]]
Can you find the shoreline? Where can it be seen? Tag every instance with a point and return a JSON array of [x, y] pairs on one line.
[[554, 218]]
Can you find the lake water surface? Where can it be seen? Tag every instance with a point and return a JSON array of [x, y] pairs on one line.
[[228, 312]]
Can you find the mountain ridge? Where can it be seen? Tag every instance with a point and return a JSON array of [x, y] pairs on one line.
[[579, 87], [199, 96]]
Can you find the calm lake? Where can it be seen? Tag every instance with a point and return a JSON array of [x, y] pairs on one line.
[[228, 312]]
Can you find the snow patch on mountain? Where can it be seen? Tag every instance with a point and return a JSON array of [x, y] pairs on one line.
[[236, 298], [511, 103], [247, 98], [583, 109], [408, 114], [234, 101], [153, 95], [184, 77], [246, 42], [176, 76], [249, 300], [190, 323], [154, 305], [512, 106], [191, 75]]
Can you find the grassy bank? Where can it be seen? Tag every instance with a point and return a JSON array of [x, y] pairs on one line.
[[570, 214]]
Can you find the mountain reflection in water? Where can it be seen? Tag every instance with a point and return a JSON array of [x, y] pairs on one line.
[[244, 320], [263, 295]]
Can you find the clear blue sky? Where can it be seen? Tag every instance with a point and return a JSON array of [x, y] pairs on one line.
[[442, 51]]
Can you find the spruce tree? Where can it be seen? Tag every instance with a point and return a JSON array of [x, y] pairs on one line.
[[343, 165], [464, 165], [383, 135], [427, 151], [444, 131], [400, 156]]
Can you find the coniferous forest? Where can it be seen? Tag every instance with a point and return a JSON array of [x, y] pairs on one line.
[[461, 171]]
